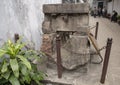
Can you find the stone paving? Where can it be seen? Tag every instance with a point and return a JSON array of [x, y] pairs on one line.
[[92, 77], [111, 30]]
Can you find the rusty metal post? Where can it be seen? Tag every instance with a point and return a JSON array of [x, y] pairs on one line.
[[96, 30], [106, 60], [16, 37], [59, 64]]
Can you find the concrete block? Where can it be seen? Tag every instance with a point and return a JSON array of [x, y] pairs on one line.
[[66, 8]]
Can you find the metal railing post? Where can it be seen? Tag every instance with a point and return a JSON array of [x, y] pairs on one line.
[[96, 30], [58, 49], [106, 60]]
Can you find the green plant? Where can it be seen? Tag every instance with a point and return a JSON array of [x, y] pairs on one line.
[[16, 67]]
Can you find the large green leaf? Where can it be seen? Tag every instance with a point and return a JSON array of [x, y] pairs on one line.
[[2, 52], [3, 81], [15, 67], [6, 75], [10, 51], [4, 67], [36, 77], [10, 47], [25, 61], [27, 79], [18, 47], [24, 70], [13, 80]]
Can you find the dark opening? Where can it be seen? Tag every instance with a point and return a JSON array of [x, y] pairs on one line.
[[100, 5]]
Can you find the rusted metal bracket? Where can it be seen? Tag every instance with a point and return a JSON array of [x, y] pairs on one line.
[[93, 53], [104, 47], [65, 35], [94, 43], [90, 28]]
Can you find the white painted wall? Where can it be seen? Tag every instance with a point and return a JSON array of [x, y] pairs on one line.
[[52, 1], [109, 8], [90, 2], [24, 17], [117, 6]]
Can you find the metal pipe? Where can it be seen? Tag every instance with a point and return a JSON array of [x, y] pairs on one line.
[[96, 30], [59, 64], [106, 60]]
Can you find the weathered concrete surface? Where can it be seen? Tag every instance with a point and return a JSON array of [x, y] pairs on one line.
[[92, 77], [66, 8], [57, 20], [65, 23], [67, 20], [74, 52]]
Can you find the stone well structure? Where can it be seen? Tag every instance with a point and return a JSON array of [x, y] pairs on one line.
[[70, 21]]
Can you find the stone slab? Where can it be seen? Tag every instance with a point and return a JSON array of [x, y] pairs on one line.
[[66, 8], [74, 52], [66, 23]]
